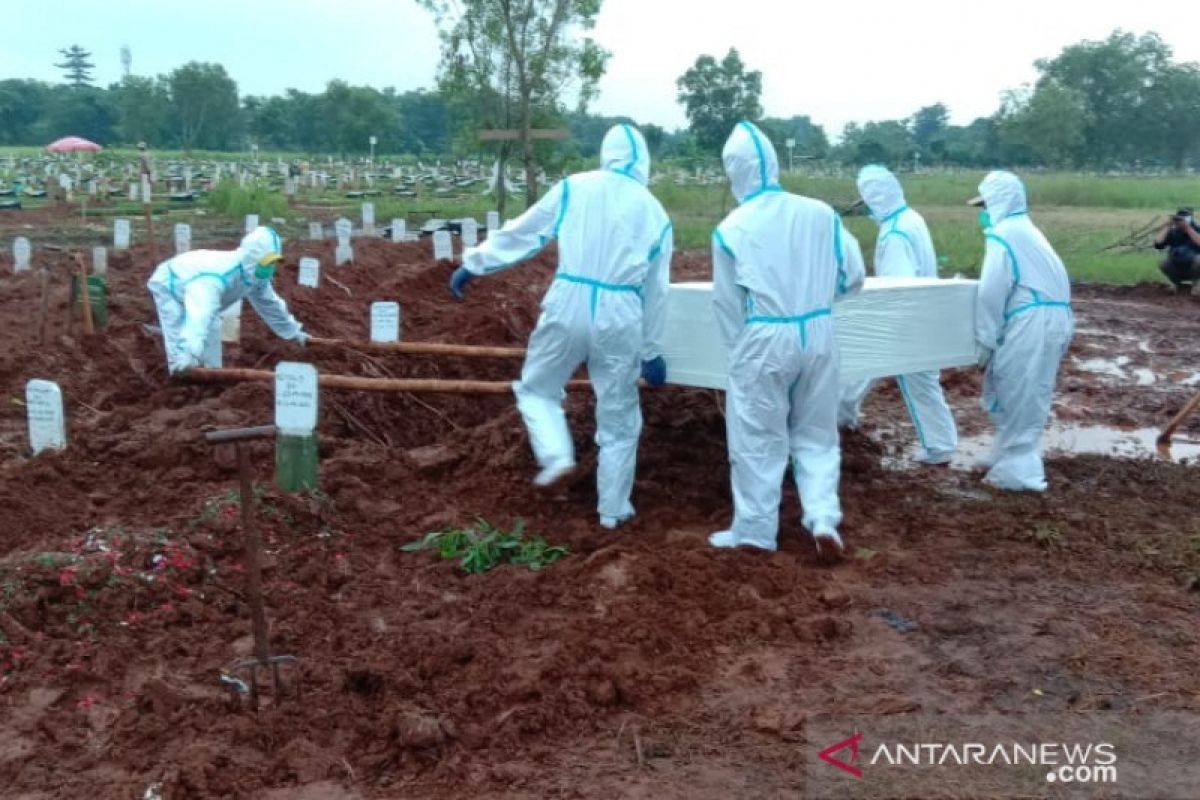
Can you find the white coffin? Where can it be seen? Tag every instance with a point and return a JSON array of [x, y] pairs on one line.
[[894, 326]]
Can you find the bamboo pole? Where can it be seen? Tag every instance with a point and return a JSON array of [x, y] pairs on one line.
[[426, 348], [85, 296], [351, 382]]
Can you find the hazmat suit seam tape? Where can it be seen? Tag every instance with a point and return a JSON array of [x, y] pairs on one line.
[[837, 254], [893, 216], [657, 248], [762, 156], [721, 242], [759, 193], [628, 168], [912, 410], [562, 211], [595, 284], [1038, 304]]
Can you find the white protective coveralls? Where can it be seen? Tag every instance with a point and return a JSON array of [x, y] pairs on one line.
[[1023, 319], [606, 307], [904, 249], [191, 289], [779, 260]]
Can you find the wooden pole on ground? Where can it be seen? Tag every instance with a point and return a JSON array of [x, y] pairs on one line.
[[85, 296], [414, 385], [426, 348], [1164, 438]]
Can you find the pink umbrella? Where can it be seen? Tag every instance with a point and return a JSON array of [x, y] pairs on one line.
[[72, 144]]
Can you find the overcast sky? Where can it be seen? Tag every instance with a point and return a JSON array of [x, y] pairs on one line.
[[835, 61]]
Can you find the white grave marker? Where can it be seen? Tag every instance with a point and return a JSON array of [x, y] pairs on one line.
[[121, 233], [21, 251], [342, 229], [342, 254], [146, 189], [133, 192], [310, 272], [183, 237], [470, 232], [385, 321], [289, 186], [399, 229], [493, 222], [100, 261], [443, 248], [368, 218], [251, 222], [295, 398], [44, 408], [315, 232]]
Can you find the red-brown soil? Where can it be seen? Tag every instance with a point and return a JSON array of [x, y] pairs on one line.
[[643, 665]]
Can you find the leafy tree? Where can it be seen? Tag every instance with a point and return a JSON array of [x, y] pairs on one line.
[[204, 102], [1046, 126], [76, 63], [516, 58], [715, 96], [810, 140], [143, 109], [887, 142], [23, 104], [929, 127], [1115, 78], [85, 111]]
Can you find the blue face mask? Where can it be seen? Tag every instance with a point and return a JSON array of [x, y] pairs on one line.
[[264, 273], [985, 219]]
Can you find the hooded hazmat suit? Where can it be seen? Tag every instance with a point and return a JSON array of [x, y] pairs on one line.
[[191, 289], [1023, 319], [904, 249], [606, 307], [779, 260]]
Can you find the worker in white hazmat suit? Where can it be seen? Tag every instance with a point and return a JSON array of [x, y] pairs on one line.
[[904, 249], [779, 260], [191, 289], [1023, 324], [606, 307]]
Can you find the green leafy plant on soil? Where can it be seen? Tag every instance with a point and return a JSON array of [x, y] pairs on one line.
[[484, 546]]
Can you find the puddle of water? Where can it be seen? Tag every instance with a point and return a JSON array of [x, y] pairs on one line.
[[1063, 439], [1067, 439], [1105, 366]]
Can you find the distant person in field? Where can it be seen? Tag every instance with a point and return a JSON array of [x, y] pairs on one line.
[[1023, 324], [193, 288], [145, 163], [779, 261], [904, 249], [606, 307], [1181, 239]]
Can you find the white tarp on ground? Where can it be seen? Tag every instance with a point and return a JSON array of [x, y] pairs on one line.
[[894, 326]]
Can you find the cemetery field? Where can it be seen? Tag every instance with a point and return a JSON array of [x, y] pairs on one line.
[[640, 663]]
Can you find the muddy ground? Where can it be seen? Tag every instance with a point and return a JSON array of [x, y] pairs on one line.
[[642, 665]]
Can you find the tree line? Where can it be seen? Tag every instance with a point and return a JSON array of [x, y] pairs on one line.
[[1122, 102]]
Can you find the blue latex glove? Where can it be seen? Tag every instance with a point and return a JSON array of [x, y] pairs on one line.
[[654, 371], [459, 281]]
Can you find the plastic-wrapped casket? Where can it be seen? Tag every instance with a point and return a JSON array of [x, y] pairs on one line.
[[894, 326]]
